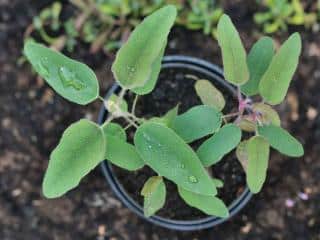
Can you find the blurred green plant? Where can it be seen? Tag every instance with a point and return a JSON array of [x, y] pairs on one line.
[[281, 13], [106, 24]]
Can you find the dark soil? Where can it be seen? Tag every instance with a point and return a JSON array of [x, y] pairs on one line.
[[175, 87], [33, 118]]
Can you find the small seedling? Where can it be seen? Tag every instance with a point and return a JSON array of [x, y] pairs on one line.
[[105, 25], [162, 143], [281, 13]]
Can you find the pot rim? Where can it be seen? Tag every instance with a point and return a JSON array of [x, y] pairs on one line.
[[215, 72]]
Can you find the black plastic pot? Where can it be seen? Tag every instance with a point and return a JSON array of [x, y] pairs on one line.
[[214, 73]]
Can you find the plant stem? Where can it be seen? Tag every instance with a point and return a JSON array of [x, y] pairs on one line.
[[231, 115], [134, 104], [131, 122], [109, 119]]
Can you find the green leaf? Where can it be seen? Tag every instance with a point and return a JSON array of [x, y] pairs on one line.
[[154, 192], [80, 149], [151, 82], [197, 122], [116, 106], [247, 124], [118, 151], [242, 154], [217, 182], [258, 156], [233, 53], [275, 82], [268, 114], [258, 61], [208, 204], [209, 94], [73, 80], [171, 116], [136, 60], [221, 143], [281, 140], [168, 155], [114, 130]]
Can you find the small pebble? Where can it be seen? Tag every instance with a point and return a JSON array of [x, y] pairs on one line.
[[312, 113], [247, 228]]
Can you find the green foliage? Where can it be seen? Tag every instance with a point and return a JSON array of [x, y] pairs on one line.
[[281, 13], [118, 151], [268, 114], [217, 182], [258, 60], [168, 155], [154, 193], [80, 149], [258, 155], [281, 140], [233, 53], [209, 94], [152, 80], [116, 106], [162, 142], [208, 204], [242, 154], [138, 59], [105, 24], [274, 84], [197, 122], [73, 80], [221, 143]]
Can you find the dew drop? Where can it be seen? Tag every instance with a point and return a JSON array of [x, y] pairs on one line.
[[193, 179]]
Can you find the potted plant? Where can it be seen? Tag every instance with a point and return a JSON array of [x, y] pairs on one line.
[[179, 151]]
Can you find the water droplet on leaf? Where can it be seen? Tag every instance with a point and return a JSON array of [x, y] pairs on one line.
[[68, 79], [193, 179]]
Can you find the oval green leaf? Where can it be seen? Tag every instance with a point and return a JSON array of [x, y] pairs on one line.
[[258, 61], [154, 192], [268, 114], [209, 94], [233, 53], [242, 154], [114, 130], [118, 151], [258, 156], [247, 124], [281, 140], [208, 204], [151, 82], [80, 149], [221, 143], [275, 82], [73, 80], [197, 122], [168, 155], [135, 60]]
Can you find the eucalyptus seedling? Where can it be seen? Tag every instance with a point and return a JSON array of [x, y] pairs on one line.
[[162, 143]]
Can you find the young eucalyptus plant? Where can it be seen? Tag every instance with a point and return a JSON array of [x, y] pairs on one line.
[[162, 143]]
